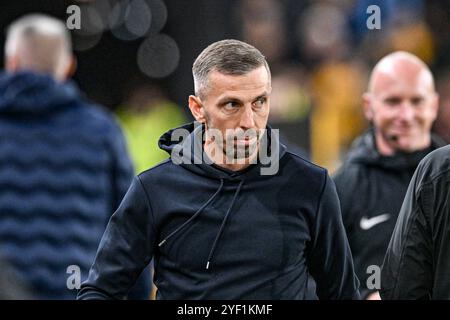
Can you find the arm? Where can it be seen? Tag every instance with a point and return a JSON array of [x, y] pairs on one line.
[[407, 268], [330, 259], [122, 173], [125, 249]]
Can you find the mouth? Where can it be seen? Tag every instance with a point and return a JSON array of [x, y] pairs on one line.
[[245, 141], [402, 133]]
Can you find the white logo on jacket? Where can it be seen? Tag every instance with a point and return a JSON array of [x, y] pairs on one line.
[[368, 223]]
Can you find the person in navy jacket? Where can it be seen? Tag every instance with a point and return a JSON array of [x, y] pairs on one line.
[[64, 167]]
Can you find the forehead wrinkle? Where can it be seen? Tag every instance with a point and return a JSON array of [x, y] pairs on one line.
[[231, 97]]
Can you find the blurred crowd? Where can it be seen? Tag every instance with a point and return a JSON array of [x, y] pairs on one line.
[[320, 53]]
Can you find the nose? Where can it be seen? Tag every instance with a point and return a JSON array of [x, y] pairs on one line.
[[247, 120], [407, 112]]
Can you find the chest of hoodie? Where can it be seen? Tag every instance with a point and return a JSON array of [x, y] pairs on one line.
[[263, 231]]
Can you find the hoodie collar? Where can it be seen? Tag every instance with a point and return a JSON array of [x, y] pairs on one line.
[[189, 137], [29, 93], [364, 151]]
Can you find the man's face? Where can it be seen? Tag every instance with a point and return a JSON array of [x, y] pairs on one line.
[[237, 104], [402, 108]]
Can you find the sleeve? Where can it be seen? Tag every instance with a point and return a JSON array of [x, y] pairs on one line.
[[330, 259], [122, 173], [342, 187], [125, 250], [407, 268]]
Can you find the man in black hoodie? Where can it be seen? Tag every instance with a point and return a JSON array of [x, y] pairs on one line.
[[401, 104], [252, 223]]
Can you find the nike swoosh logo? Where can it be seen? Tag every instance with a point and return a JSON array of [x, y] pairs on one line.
[[367, 224]]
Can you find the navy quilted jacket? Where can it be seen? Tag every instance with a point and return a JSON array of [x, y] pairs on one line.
[[63, 171]]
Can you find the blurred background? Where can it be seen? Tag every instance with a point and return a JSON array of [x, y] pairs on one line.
[[135, 58]]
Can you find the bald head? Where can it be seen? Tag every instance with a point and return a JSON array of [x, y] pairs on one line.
[[39, 43], [399, 66], [401, 103]]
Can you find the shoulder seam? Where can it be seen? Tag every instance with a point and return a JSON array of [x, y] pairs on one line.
[[307, 161], [156, 166], [430, 180], [322, 191]]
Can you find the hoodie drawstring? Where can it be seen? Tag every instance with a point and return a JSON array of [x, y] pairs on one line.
[[223, 224], [194, 216]]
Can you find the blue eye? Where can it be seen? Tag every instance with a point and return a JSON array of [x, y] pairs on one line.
[[260, 102], [231, 105]]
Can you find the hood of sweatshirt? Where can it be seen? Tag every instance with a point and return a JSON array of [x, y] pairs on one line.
[[185, 147], [28, 93], [364, 151]]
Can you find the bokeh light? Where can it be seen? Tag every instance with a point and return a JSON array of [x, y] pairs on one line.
[[158, 56]]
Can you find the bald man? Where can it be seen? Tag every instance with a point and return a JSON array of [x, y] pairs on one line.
[[64, 167], [401, 104]]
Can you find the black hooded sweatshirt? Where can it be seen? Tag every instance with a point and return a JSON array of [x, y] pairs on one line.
[[219, 234], [371, 189]]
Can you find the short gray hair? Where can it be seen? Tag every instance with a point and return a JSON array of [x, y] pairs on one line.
[[231, 57], [46, 40]]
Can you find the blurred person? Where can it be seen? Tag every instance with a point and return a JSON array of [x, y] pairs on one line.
[[323, 35], [336, 117], [220, 229], [290, 108], [64, 166], [144, 116], [261, 22], [401, 105], [417, 261]]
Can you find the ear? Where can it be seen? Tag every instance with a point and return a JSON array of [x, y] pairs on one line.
[[12, 63], [367, 106], [71, 67], [66, 68], [197, 108], [435, 106]]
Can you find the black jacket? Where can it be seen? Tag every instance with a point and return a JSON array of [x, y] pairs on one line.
[[417, 263], [371, 189], [219, 234]]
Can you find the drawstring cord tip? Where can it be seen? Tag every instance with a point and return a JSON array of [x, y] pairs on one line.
[[161, 243], [207, 265]]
